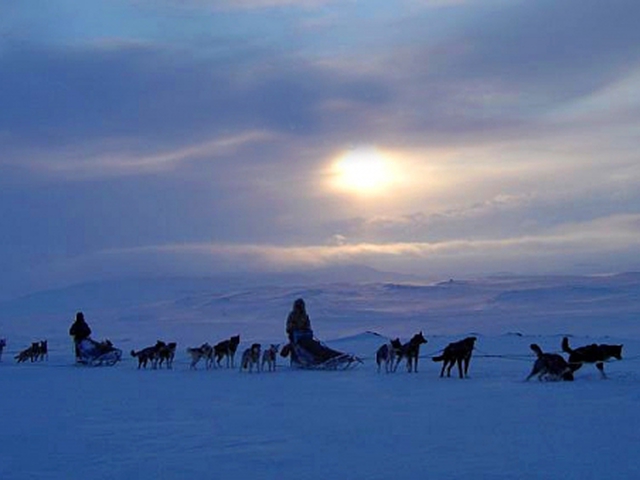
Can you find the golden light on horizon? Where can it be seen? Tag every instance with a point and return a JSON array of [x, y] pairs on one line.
[[364, 171]]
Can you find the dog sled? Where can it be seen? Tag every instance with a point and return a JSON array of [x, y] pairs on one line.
[[96, 354], [308, 353]]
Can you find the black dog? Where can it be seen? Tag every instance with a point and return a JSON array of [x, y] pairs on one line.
[[411, 351], [457, 353], [549, 366], [166, 353], [226, 348], [593, 353]]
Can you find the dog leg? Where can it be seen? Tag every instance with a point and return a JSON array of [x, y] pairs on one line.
[[450, 365]]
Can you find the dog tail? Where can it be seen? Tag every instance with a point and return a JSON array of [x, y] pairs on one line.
[[134, 353], [565, 345], [439, 358], [536, 349]]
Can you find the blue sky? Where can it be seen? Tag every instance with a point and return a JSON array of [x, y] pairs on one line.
[[444, 138]]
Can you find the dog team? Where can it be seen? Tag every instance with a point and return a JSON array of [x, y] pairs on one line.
[[547, 366], [156, 355], [226, 350], [552, 366], [457, 353]]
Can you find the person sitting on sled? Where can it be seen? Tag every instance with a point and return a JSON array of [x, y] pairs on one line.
[[298, 322], [301, 336]]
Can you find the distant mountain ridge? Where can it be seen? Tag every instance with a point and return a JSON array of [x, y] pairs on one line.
[[341, 302], [132, 291]]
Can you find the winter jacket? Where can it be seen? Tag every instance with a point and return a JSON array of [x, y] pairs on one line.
[[298, 318], [79, 330]]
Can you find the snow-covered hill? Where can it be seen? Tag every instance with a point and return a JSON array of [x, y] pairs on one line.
[[195, 310]]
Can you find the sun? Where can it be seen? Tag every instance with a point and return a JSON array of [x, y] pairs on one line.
[[364, 171]]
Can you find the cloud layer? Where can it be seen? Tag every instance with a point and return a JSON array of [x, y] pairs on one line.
[[197, 132]]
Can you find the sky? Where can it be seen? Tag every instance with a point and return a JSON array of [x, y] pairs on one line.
[[434, 137]]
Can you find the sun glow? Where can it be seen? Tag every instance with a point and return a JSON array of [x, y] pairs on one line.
[[364, 171]]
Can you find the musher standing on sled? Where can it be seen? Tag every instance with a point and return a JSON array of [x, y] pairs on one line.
[[80, 331]]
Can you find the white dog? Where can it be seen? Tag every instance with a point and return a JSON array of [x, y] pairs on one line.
[[198, 353], [387, 355], [251, 357]]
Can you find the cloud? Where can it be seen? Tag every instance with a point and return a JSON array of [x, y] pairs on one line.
[[83, 165], [208, 134], [558, 249]]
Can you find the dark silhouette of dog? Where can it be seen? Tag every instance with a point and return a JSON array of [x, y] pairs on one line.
[[146, 355], [166, 353], [594, 353], [43, 351], [549, 366], [457, 353], [226, 349], [28, 353], [411, 351], [269, 357]]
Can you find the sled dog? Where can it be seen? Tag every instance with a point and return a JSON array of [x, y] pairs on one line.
[[549, 366], [166, 353], [3, 343], [594, 353], [146, 355], [28, 353], [226, 348], [198, 353], [457, 353], [251, 357], [42, 351], [269, 357], [387, 354], [411, 351]]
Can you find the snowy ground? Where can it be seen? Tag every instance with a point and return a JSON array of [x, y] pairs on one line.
[[60, 421]]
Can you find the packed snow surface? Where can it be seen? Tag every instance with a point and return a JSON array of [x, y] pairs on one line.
[[62, 421]]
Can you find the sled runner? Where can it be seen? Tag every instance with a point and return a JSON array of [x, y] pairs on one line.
[[308, 353], [95, 354]]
